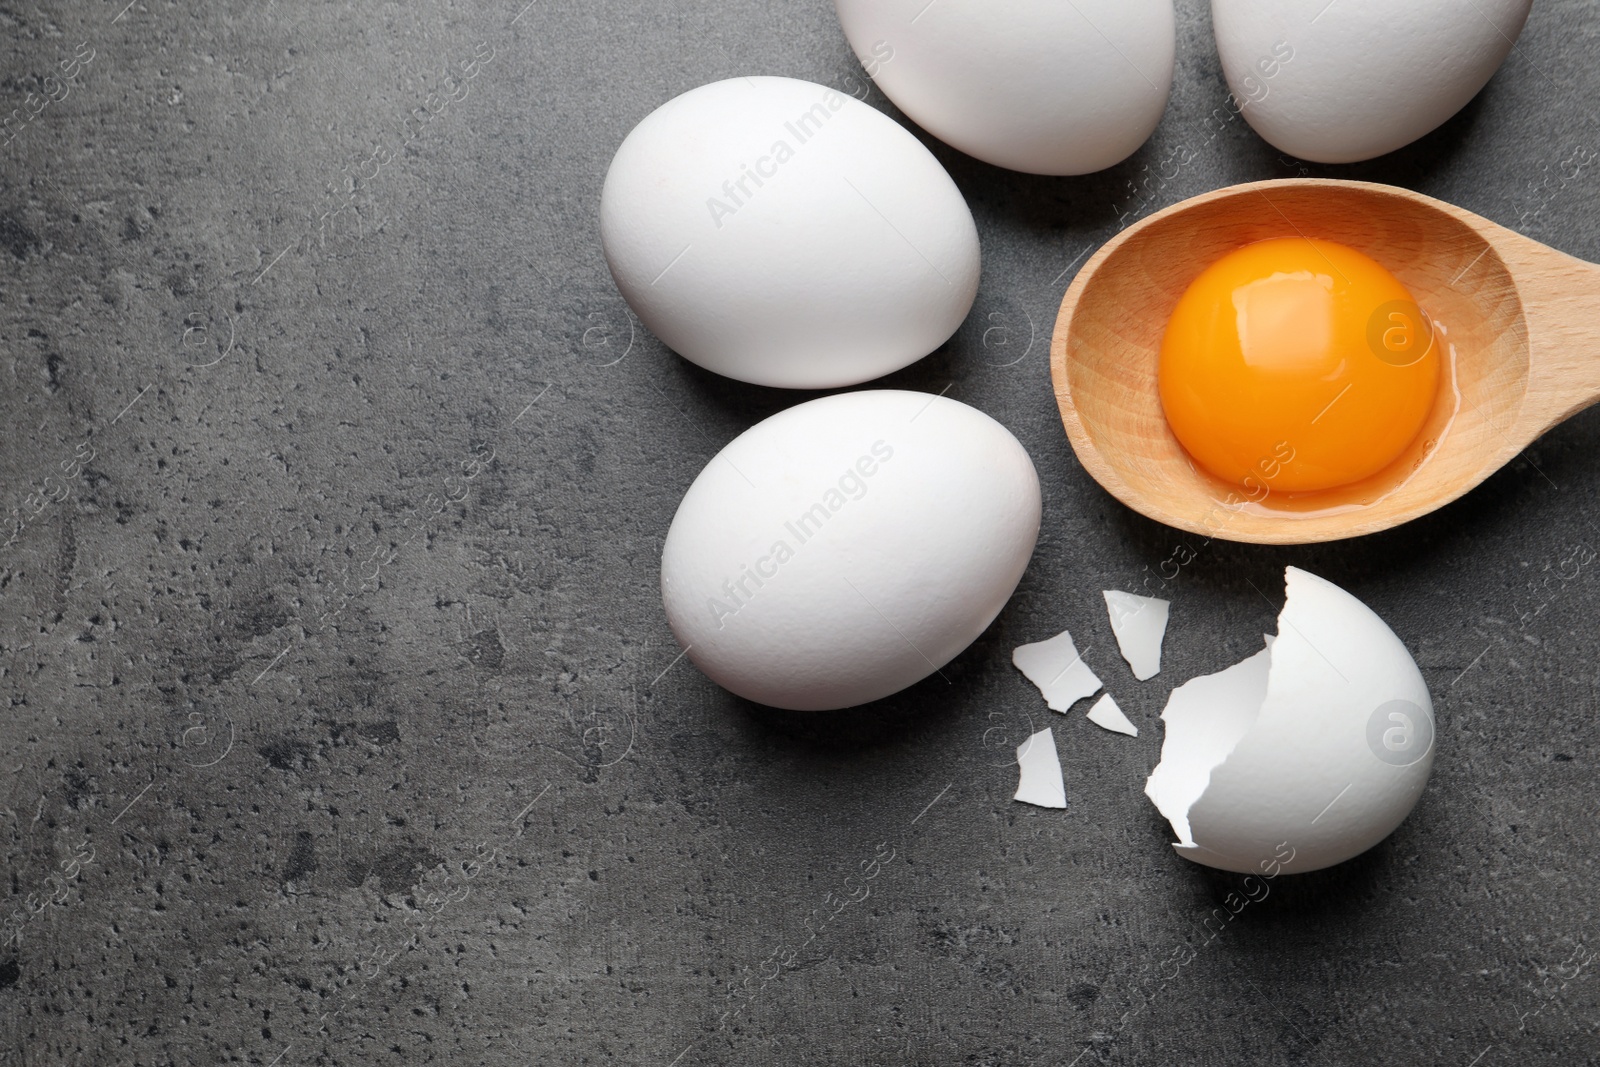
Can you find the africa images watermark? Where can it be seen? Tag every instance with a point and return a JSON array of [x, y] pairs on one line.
[[851, 485], [736, 192]]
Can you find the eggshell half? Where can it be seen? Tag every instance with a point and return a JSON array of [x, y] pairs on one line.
[[1332, 761], [1032, 85], [1358, 78], [782, 233], [848, 547]]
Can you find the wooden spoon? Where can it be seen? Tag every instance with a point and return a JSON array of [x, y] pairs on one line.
[[1518, 318]]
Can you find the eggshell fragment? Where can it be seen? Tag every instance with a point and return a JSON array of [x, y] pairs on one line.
[[780, 232], [1205, 718], [1320, 744], [1139, 623], [848, 547], [1039, 780], [1055, 667], [1359, 78], [1106, 715], [1033, 85]]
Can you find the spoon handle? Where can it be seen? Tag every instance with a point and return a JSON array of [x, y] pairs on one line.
[[1560, 297]]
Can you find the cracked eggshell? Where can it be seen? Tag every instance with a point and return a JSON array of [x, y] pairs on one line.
[[1057, 671], [848, 547], [1033, 85], [1305, 749], [782, 233], [1139, 623], [1363, 77], [1039, 779], [1108, 716]]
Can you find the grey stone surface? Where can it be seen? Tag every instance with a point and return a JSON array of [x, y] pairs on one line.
[[343, 724]]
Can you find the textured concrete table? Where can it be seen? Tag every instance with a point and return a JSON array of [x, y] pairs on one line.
[[343, 724]]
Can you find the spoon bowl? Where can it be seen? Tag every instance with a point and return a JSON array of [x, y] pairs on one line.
[[1516, 321]]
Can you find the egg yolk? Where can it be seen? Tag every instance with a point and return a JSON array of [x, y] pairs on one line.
[[1297, 364]]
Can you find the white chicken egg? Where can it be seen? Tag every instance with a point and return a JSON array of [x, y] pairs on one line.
[[848, 547], [1032, 85], [782, 233], [1307, 753], [1353, 79]]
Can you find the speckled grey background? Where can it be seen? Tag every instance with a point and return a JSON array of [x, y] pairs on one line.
[[343, 723]]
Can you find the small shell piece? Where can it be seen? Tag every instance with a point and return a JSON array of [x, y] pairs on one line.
[[1058, 670], [1040, 782], [1106, 715], [1140, 622]]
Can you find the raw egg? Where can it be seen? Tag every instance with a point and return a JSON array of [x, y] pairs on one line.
[[1297, 364], [1351, 82], [783, 233], [1034, 85], [848, 547]]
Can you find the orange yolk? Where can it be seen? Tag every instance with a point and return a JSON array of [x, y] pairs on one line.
[[1297, 364]]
